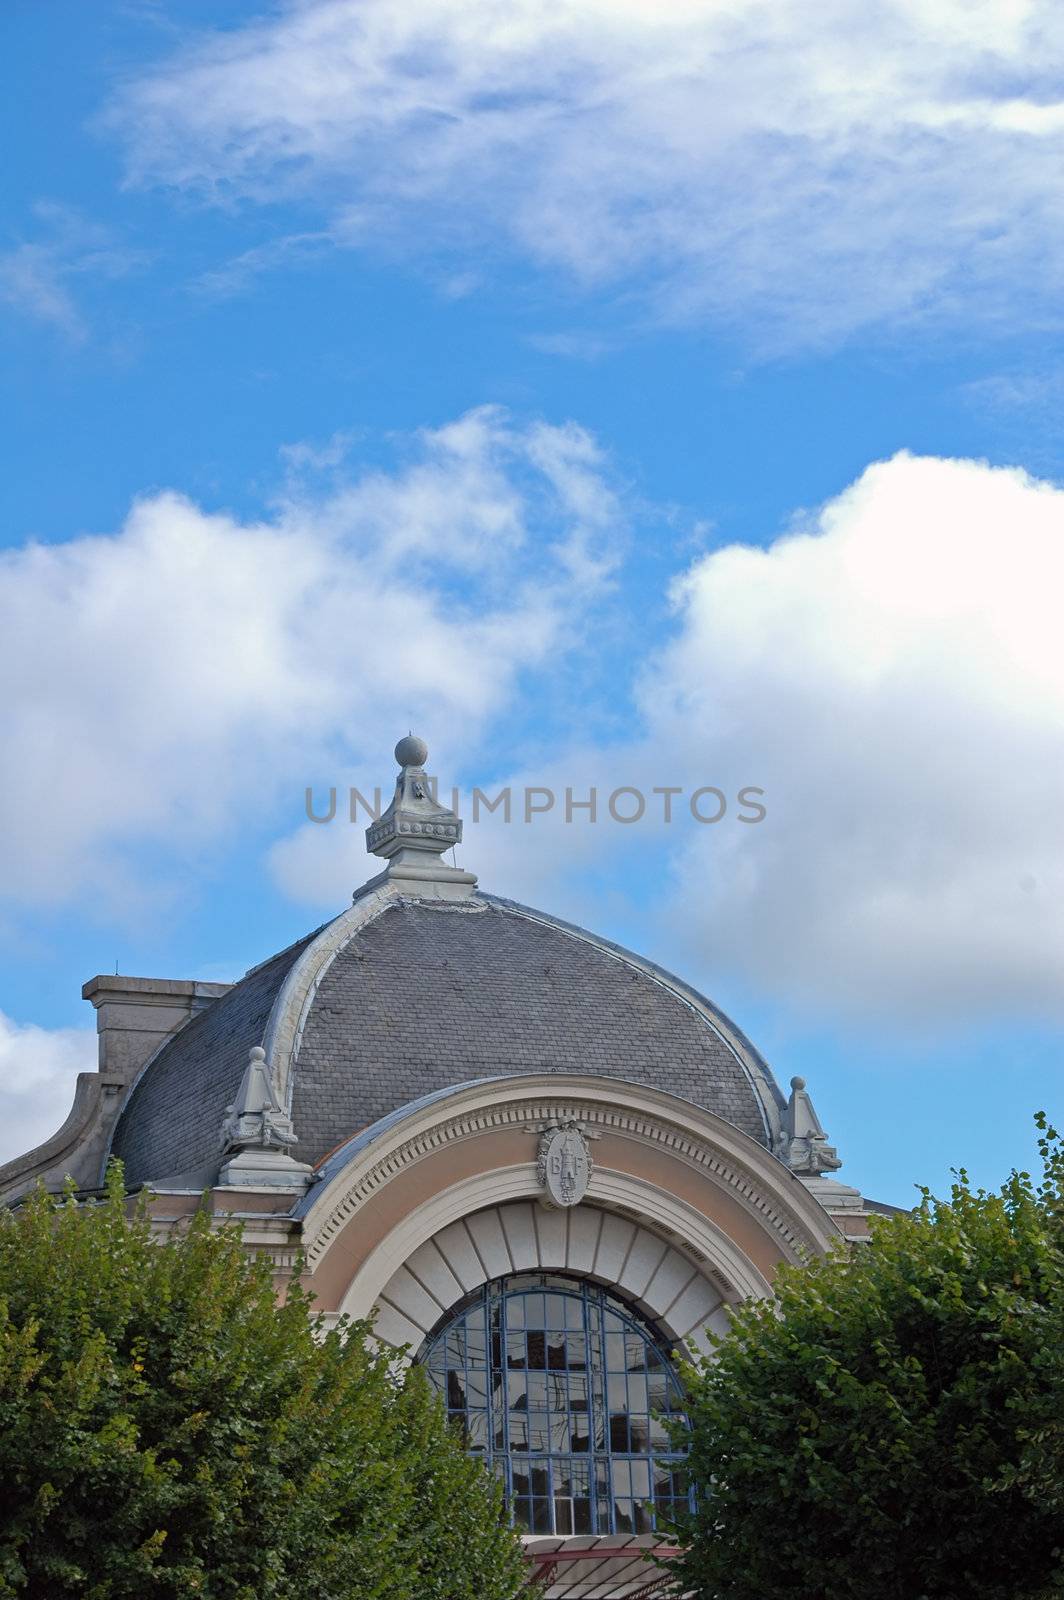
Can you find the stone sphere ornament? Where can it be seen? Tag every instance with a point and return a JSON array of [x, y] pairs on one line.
[[411, 751]]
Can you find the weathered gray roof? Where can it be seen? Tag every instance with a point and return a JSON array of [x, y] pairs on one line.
[[172, 1120], [427, 996], [430, 994]]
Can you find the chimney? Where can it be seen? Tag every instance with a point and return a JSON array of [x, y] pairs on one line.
[[135, 1015]]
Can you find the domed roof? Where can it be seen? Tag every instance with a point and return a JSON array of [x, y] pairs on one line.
[[427, 994], [423, 984]]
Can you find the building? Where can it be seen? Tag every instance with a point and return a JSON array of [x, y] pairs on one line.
[[545, 1163]]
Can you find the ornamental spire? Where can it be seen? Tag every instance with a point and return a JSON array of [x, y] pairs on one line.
[[416, 829]]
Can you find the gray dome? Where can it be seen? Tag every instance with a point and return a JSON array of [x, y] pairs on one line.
[[429, 994]]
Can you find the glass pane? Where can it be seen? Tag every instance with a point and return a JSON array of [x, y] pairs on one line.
[[579, 1437], [538, 1430], [534, 1311], [658, 1391], [639, 1433], [563, 1516], [554, 1311], [455, 1388], [659, 1435], [634, 1351]]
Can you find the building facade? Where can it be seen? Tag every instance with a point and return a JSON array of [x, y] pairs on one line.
[[545, 1165]]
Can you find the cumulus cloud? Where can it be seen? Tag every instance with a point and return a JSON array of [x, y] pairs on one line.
[[807, 170], [890, 672], [38, 1067], [191, 665]]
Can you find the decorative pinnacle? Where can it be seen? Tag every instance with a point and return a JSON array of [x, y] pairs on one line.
[[805, 1144], [415, 825], [257, 1119]]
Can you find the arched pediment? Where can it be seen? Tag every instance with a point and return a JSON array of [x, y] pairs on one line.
[[669, 1175]]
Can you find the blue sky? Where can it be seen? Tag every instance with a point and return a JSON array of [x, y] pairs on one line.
[[617, 394]]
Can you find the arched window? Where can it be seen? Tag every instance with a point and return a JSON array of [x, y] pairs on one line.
[[565, 1391]]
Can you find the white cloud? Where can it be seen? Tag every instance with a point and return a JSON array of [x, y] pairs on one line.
[[805, 169], [36, 274], [891, 673], [38, 1067], [234, 276], [191, 667]]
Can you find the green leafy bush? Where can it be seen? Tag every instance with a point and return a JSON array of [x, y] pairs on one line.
[[891, 1427], [168, 1429]]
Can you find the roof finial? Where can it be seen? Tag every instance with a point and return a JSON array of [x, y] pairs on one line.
[[805, 1144], [416, 829], [257, 1132]]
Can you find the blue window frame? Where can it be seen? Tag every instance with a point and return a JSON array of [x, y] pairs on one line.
[[566, 1392]]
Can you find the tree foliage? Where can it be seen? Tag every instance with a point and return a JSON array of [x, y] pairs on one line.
[[167, 1429], [891, 1427]]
